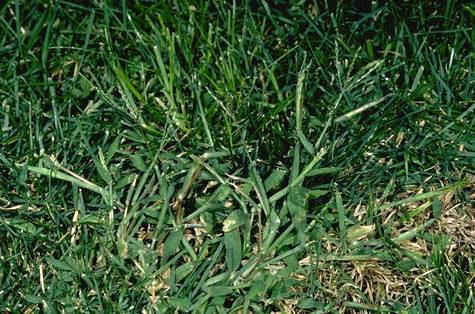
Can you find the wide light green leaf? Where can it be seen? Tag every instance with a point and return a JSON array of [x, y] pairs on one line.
[[296, 202], [232, 242]]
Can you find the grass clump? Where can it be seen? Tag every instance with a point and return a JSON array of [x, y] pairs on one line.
[[310, 157]]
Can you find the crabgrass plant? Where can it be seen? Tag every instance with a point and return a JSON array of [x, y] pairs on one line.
[[237, 157]]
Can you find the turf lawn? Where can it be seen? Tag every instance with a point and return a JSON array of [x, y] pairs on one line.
[[237, 157]]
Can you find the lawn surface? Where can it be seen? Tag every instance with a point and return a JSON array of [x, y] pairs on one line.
[[238, 157]]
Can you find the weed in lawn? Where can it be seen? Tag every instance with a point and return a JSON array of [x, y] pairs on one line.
[[237, 157]]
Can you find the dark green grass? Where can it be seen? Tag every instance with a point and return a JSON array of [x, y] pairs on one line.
[[234, 157]]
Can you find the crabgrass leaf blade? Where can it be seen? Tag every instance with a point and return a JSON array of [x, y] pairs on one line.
[[323, 171], [361, 109], [274, 179], [171, 244], [58, 264], [65, 177], [436, 208], [217, 291], [296, 202], [102, 170], [341, 218], [232, 243], [236, 219]]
